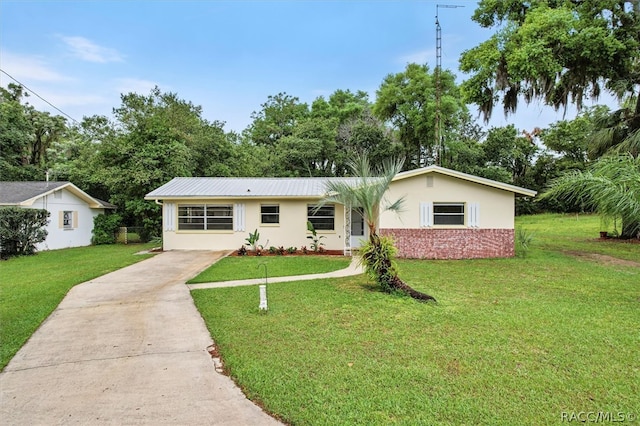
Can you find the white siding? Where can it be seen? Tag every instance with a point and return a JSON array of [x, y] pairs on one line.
[[58, 237]]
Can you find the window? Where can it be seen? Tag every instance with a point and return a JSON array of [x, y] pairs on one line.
[[270, 214], [67, 220], [205, 217], [322, 219], [448, 213]]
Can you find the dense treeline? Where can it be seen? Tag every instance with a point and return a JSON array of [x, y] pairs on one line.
[[154, 137]]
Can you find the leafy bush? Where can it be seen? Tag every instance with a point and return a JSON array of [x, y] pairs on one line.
[[378, 261], [523, 240], [242, 251], [252, 240], [316, 245], [21, 230], [105, 228]]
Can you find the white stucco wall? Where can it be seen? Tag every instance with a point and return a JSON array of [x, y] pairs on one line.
[[290, 232], [58, 237], [495, 207]]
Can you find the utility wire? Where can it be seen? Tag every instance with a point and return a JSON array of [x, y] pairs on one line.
[[52, 105]]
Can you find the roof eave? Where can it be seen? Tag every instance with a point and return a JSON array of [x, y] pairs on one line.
[[230, 197]]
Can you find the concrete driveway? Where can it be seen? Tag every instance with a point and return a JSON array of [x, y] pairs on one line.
[[126, 348]]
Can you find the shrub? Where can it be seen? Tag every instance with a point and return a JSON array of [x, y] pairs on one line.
[[21, 230], [242, 251], [378, 261], [252, 240], [316, 245], [291, 250], [523, 239], [105, 228]]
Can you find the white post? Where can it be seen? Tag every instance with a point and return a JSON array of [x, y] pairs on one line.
[[263, 297]]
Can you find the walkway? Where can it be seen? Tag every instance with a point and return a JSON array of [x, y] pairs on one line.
[[354, 268], [126, 348]]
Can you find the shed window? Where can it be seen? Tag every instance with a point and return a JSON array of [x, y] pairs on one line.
[[67, 220], [323, 218], [270, 213], [448, 213], [205, 217]]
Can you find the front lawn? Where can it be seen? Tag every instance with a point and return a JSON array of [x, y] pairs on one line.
[[511, 341], [32, 286], [245, 267]]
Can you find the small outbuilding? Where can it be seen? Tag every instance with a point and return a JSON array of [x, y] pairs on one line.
[[448, 214], [71, 210]]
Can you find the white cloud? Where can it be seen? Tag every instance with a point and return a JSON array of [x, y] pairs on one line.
[[25, 68], [87, 50], [135, 85]]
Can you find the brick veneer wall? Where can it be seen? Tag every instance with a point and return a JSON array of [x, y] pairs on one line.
[[452, 243]]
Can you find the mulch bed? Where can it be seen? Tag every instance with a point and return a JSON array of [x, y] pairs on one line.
[[267, 253]]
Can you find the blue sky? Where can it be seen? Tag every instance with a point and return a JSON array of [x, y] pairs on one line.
[[227, 56]]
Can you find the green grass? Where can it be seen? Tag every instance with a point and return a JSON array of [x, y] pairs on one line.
[[32, 286], [239, 268], [511, 341], [580, 233]]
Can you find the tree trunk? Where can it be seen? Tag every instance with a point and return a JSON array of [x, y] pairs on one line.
[[400, 285]]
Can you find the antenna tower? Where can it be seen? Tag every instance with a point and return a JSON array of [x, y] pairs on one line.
[[439, 145]]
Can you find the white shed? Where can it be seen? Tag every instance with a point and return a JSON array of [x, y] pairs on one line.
[[71, 210]]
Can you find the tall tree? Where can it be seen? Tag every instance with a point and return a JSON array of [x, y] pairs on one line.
[[570, 139], [505, 148], [26, 135], [277, 119], [15, 135], [368, 194], [407, 101], [558, 51], [158, 137], [364, 135]]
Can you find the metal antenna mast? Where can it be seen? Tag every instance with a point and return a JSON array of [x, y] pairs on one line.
[[439, 146]]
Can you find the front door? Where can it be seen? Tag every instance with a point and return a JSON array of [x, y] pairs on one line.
[[357, 227]]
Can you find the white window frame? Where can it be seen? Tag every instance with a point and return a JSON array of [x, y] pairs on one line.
[[314, 213], [437, 214], [67, 219], [275, 215], [208, 213]]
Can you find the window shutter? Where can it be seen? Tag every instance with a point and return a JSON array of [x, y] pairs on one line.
[[60, 219], [239, 217], [474, 215], [169, 216], [426, 214], [75, 219]]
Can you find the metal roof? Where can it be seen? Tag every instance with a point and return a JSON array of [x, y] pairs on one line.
[[194, 187], [314, 187]]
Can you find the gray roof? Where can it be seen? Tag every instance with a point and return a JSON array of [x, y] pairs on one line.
[[25, 193], [194, 187], [13, 193]]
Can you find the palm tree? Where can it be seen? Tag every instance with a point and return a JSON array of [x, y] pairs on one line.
[[611, 186], [368, 194], [619, 131]]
